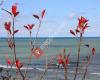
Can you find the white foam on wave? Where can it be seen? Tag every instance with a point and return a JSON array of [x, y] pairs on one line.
[[23, 68], [41, 69], [95, 73], [13, 67]]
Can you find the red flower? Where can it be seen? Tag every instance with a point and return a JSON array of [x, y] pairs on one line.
[[43, 13], [14, 10], [67, 60], [18, 63], [29, 27], [8, 26], [82, 24], [62, 59], [37, 52]]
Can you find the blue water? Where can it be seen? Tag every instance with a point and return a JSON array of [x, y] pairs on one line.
[[55, 46]]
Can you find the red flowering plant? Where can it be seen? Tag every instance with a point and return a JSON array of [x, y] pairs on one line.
[[29, 27], [39, 18], [63, 60], [10, 28], [36, 51], [81, 27], [89, 58]]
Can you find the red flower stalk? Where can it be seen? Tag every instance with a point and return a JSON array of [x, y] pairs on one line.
[[82, 25], [64, 61], [40, 21], [14, 10], [42, 15], [11, 43], [89, 59], [8, 26], [29, 27]]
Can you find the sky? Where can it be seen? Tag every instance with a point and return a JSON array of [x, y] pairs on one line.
[[61, 16]]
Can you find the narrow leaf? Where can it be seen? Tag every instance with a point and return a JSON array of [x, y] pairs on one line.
[[36, 16], [7, 11], [72, 32], [16, 14], [77, 31], [16, 31], [26, 27]]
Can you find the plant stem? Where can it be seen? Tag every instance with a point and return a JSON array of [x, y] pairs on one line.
[[65, 66], [84, 76], [30, 54], [37, 34], [15, 49], [86, 69], [46, 66], [32, 46], [78, 56], [57, 72], [65, 72], [14, 42]]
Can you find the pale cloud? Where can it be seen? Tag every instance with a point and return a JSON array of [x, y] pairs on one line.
[[72, 15], [75, 15]]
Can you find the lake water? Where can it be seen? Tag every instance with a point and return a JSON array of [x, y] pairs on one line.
[[56, 45]]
